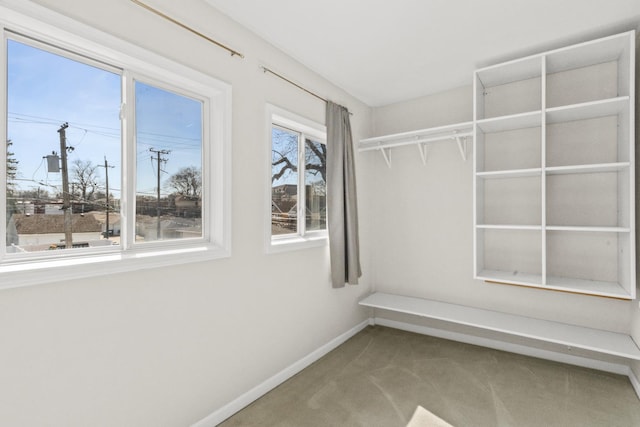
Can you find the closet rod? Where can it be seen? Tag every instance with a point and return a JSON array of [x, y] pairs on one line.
[[280, 76], [180, 24]]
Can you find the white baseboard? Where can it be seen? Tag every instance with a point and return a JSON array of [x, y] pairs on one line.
[[615, 368], [242, 401]]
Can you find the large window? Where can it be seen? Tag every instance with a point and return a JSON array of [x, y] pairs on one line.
[[109, 157], [298, 190]]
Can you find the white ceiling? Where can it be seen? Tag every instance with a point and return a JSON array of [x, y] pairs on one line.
[[385, 51]]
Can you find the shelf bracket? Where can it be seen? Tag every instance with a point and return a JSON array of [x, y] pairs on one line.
[[462, 146], [386, 153], [423, 152]]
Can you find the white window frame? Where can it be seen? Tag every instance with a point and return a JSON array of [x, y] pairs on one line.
[[307, 128], [18, 16]]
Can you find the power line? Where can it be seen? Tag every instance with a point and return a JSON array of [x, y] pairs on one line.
[[91, 127]]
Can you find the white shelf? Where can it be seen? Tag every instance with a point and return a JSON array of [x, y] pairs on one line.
[[591, 287], [588, 110], [563, 284], [588, 229], [516, 70], [598, 168], [511, 122], [510, 277], [571, 336], [454, 133], [553, 228], [509, 227], [405, 138], [515, 173]]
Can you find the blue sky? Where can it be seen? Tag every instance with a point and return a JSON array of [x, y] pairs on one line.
[[46, 90]]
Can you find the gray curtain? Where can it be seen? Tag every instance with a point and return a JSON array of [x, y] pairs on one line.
[[342, 208]]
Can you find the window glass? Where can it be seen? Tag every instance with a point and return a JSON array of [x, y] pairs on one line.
[[63, 152], [315, 185], [284, 181], [169, 165]]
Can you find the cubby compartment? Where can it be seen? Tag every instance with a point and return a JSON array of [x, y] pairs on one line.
[[580, 85], [584, 142], [509, 150], [591, 71], [512, 88], [512, 255], [590, 262], [510, 200], [585, 199]]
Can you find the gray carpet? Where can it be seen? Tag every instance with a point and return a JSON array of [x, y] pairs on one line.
[[381, 375]]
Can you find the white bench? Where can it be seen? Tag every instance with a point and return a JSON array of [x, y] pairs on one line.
[[596, 340]]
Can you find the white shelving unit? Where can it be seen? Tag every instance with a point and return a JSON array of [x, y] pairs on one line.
[[457, 133], [554, 169]]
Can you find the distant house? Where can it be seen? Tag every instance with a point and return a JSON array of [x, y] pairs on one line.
[[188, 206], [285, 192], [25, 207], [39, 231], [170, 228], [284, 199], [53, 208]]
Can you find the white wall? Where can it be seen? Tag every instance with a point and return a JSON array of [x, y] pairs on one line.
[[167, 347], [422, 217]]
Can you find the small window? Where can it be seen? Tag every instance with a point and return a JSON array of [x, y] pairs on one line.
[[298, 189]]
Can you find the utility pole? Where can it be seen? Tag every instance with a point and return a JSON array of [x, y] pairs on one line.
[[66, 196], [159, 160], [106, 175]]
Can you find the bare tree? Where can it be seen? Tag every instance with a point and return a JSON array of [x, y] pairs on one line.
[[186, 182], [284, 161], [12, 167], [84, 178], [12, 172]]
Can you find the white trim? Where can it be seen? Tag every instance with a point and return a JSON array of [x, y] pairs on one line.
[[42, 272], [258, 391], [616, 368], [28, 18], [285, 244], [296, 122]]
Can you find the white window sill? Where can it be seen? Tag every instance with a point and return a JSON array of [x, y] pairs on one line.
[[285, 244], [18, 274]]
